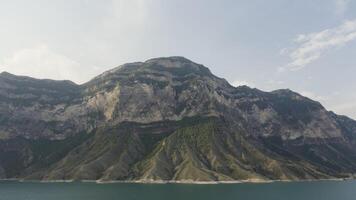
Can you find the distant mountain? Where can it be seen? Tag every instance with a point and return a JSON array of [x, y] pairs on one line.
[[167, 119]]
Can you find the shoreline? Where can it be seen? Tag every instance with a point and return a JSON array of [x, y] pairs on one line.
[[186, 182]]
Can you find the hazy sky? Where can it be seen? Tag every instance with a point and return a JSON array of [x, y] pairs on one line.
[[306, 45]]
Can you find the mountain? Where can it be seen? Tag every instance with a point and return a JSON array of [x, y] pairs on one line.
[[167, 119]]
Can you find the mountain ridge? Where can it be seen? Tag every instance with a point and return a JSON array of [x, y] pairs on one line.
[[167, 119]]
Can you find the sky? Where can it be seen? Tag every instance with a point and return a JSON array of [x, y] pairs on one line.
[[308, 46]]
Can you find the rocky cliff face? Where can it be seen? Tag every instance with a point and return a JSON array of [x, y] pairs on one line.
[[167, 119]]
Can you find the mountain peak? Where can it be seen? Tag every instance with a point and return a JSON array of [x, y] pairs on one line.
[[284, 92], [178, 59], [6, 74], [177, 66]]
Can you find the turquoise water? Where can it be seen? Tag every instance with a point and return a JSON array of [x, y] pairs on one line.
[[323, 190]]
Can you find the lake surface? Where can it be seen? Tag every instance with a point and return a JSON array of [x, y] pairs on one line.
[[325, 190]]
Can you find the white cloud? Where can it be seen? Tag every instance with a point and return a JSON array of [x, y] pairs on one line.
[[238, 83], [341, 6], [310, 47], [42, 62]]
